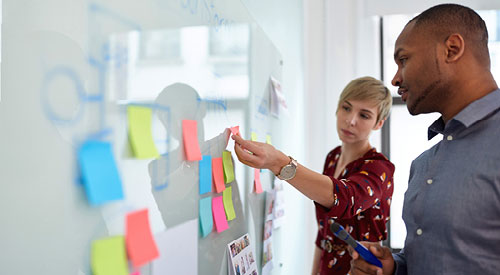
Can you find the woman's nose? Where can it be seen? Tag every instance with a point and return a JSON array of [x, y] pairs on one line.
[[351, 120]]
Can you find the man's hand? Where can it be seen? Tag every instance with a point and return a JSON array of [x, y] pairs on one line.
[[361, 267]]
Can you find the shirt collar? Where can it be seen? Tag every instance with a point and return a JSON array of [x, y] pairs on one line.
[[475, 111]]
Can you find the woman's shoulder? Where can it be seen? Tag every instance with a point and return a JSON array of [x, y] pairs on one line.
[[372, 156]]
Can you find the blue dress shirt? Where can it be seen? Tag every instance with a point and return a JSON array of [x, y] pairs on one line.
[[452, 205]]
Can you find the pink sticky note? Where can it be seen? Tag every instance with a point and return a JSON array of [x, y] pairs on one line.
[[219, 214], [141, 247], [218, 174], [235, 130], [258, 185], [190, 138], [136, 273]]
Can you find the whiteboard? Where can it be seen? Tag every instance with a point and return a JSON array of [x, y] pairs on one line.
[[69, 71]]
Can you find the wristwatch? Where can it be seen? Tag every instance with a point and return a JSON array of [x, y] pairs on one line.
[[288, 171]]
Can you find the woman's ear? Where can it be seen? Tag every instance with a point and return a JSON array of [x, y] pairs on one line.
[[379, 124]]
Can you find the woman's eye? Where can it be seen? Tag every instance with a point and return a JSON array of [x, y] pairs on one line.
[[365, 116], [346, 108]]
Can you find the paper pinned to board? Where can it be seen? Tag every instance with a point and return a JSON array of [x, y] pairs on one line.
[[257, 183], [206, 220], [268, 139], [241, 257], [267, 240], [101, 179], [279, 203], [277, 98], [190, 138], [140, 133], [253, 136], [108, 256], [205, 172], [178, 250], [227, 198], [218, 174], [235, 130], [141, 247], [227, 161], [219, 214]]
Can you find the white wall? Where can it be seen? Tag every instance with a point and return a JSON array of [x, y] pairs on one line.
[[385, 7]]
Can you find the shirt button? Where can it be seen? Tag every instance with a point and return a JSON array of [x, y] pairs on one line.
[[429, 181], [449, 137], [419, 232]]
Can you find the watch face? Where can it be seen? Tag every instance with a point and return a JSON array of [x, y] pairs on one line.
[[287, 172]]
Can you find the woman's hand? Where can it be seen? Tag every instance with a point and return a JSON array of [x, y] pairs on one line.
[[259, 155]]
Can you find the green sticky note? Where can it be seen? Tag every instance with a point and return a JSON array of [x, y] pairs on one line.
[[140, 134], [228, 203], [268, 139], [253, 136], [109, 257], [228, 167]]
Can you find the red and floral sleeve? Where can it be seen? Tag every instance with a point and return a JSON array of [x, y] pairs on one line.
[[361, 188]]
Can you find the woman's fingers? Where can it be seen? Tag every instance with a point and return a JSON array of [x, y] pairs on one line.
[[252, 146], [245, 157], [252, 153]]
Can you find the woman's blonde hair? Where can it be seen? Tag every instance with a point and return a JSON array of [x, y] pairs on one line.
[[368, 88]]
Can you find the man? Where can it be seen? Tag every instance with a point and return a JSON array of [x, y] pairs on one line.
[[452, 205]]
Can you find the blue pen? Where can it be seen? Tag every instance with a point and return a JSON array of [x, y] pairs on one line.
[[340, 232]]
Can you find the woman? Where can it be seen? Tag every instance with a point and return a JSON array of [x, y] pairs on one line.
[[355, 189]]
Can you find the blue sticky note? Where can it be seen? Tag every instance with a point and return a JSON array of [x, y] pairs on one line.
[[100, 176], [205, 174], [206, 221]]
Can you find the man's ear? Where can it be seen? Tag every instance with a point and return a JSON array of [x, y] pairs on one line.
[[455, 47], [379, 124]]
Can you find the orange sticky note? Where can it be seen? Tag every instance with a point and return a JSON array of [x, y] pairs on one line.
[[235, 130], [219, 214], [258, 185], [190, 138], [218, 175], [141, 246]]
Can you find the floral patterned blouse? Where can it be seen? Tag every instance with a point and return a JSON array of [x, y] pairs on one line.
[[362, 199]]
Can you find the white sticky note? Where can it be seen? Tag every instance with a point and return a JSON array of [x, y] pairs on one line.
[[178, 250]]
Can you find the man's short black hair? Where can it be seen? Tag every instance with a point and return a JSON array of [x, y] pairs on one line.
[[446, 19]]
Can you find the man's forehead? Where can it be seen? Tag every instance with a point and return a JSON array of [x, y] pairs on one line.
[[405, 36]]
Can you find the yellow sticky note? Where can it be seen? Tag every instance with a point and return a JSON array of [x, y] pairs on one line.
[[268, 139], [228, 167], [109, 257], [228, 203], [253, 136], [140, 134]]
